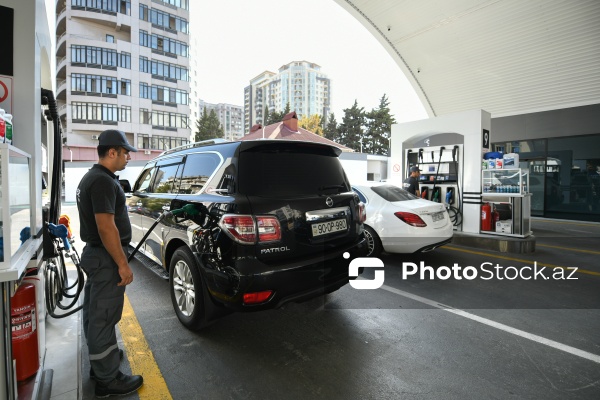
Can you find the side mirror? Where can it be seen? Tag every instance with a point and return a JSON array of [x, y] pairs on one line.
[[125, 185]]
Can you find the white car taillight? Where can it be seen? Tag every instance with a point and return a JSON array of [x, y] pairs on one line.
[[411, 219], [243, 228], [362, 212]]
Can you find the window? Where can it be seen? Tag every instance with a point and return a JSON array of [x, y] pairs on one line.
[[125, 114], [144, 91], [126, 87], [285, 171], [166, 179], [99, 55], [143, 141], [393, 193], [110, 39], [143, 183], [164, 44], [125, 60], [100, 112], [198, 168]]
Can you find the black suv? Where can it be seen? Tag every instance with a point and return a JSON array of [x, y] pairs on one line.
[[271, 222]]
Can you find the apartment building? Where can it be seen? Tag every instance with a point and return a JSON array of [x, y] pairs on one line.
[[301, 84], [230, 117], [123, 64]]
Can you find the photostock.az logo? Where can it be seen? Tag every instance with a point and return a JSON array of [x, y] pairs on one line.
[[365, 262]]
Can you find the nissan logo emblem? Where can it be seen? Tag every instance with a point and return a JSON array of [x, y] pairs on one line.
[[329, 201]]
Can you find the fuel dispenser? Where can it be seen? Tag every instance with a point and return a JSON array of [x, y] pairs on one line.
[[448, 150], [440, 175], [25, 68]]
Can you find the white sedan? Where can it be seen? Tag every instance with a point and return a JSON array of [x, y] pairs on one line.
[[400, 222]]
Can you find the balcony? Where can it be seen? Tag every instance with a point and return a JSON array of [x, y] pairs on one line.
[[61, 90], [61, 68], [62, 111], [61, 22], [61, 45], [113, 19]]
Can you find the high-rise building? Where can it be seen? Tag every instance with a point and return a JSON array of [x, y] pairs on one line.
[[123, 64], [301, 84], [230, 117]]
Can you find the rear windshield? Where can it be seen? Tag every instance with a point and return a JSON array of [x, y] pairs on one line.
[[290, 171], [393, 193]]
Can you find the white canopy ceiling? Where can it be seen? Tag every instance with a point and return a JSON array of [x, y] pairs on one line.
[[503, 56]]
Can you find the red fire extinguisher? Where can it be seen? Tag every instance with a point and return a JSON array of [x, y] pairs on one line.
[[486, 217], [24, 331]]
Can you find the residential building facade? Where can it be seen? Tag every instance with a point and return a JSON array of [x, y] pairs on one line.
[[301, 84], [123, 64], [230, 117]]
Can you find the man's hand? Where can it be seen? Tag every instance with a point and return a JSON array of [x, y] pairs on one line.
[[109, 234], [126, 275]]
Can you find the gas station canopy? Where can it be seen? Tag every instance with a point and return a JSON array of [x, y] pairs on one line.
[[504, 56]]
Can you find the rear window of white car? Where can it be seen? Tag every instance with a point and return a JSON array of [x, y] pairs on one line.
[[393, 193]]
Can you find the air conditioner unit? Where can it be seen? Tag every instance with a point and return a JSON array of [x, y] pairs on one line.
[[94, 137], [148, 152]]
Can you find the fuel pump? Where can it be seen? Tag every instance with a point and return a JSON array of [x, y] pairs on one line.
[[441, 176]]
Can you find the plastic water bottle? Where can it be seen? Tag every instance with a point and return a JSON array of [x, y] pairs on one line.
[[9, 128], [2, 126]]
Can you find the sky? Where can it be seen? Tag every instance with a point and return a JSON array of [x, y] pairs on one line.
[[239, 39]]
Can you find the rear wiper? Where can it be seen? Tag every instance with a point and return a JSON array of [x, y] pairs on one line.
[[340, 187]]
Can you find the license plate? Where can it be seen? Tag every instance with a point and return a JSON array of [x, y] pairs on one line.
[[437, 216], [323, 228]]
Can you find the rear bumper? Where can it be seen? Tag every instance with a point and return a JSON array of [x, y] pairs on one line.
[[290, 282], [418, 243]]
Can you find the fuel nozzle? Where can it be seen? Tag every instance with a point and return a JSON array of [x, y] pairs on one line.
[[449, 199], [189, 209]]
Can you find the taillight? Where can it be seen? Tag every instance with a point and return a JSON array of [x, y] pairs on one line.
[[362, 212], [243, 228], [257, 297], [269, 229], [411, 219]]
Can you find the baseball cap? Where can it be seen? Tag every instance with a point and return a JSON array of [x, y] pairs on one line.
[[113, 137], [415, 169]]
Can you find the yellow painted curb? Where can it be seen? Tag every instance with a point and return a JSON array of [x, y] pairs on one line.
[[141, 358]]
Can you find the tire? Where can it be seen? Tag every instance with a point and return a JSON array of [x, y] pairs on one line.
[[374, 247], [187, 293]]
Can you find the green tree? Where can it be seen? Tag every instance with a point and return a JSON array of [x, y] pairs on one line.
[[311, 123], [379, 128], [351, 130], [266, 116], [273, 118], [330, 128], [208, 127]]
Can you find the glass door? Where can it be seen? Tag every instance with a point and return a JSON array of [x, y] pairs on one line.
[[537, 184]]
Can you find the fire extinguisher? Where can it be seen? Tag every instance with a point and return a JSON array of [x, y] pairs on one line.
[[24, 331], [486, 217], [496, 218]]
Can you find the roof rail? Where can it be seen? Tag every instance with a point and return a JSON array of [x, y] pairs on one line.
[[195, 144]]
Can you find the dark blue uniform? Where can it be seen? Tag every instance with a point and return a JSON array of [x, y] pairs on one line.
[[411, 185]]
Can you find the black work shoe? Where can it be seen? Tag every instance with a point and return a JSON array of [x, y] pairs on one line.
[[122, 384], [93, 374]]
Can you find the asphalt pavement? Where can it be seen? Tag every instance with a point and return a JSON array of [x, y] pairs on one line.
[[410, 339]]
